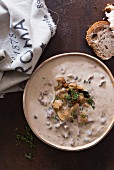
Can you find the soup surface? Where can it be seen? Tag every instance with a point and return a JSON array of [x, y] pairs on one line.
[[48, 104]]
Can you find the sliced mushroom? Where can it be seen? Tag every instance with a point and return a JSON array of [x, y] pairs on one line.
[[64, 114], [61, 91], [72, 85], [86, 104], [57, 104], [79, 88], [70, 78], [57, 88], [62, 96], [81, 98], [75, 107], [60, 80]]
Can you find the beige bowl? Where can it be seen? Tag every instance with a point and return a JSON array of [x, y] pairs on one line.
[[78, 63]]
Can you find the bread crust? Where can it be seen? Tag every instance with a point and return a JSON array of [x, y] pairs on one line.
[[94, 29]]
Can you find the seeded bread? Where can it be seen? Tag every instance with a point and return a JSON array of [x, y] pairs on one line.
[[101, 39]]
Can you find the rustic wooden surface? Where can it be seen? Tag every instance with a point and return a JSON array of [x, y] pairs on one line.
[[75, 17]]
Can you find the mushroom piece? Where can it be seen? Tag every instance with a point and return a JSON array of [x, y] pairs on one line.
[[81, 98], [63, 90], [62, 96], [82, 118], [72, 85], [64, 114], [70, 78], [86, 104], [75, 107], [60, 80], [79, 88], [57, 104]]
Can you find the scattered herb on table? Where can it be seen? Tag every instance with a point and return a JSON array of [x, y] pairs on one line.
[[28, 138], [28, 155]]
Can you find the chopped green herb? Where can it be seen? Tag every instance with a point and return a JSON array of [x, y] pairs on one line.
[[70, 91], [28, 138], [72, 95], [68, 97], [28, 155], [93, 107], [75, 96], [91, 102], [43, 78]]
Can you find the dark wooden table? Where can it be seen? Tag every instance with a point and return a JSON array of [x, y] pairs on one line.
[[75, 17]]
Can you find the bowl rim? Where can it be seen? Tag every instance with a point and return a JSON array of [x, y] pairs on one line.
[[77, 148]]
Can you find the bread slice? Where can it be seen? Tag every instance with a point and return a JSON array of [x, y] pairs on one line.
[[100, 37]]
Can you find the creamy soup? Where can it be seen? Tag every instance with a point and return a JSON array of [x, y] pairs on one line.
[[53, 127]]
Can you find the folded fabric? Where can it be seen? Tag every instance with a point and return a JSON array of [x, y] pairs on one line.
[[26, 27]]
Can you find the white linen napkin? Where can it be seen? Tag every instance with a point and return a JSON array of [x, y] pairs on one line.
[[26, 27]]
